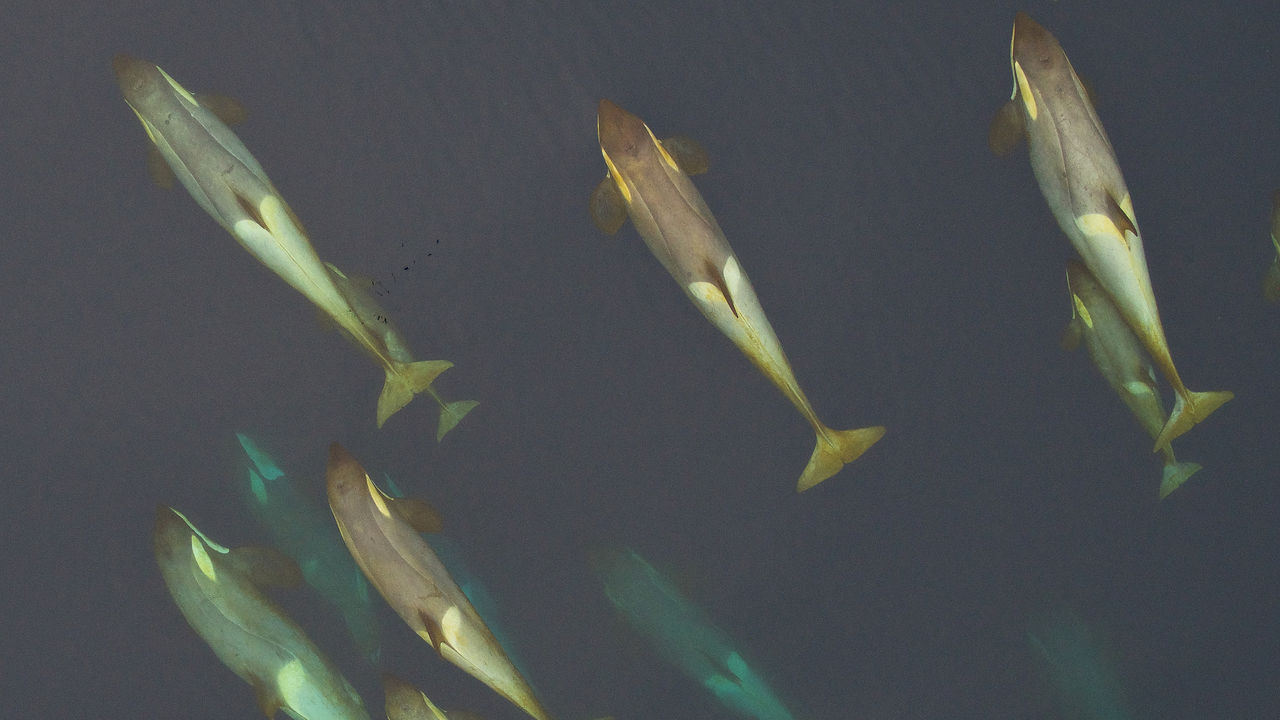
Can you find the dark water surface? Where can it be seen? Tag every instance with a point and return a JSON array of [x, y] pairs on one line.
[[916, 281]]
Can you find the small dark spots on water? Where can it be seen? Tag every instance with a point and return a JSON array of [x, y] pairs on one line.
[[382, 288]]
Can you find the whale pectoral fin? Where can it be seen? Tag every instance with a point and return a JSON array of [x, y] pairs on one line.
[[227, 109], [1071, 335], [266, 566], [1007, 129], [690, 156], [419, 514], [1081, 320], [1271, 284], [267, 696], [607, 206], [159, 170]]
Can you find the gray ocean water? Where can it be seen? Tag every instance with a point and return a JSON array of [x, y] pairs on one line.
[[447, 150]]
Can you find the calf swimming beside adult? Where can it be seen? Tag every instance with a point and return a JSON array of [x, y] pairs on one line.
[[1076, 168], [649, 181], [1119, 357]]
